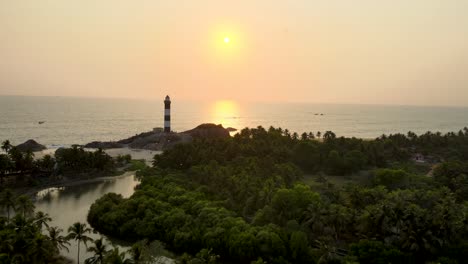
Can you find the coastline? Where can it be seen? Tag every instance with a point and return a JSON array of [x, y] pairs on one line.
[[137, 154], [31, 191]]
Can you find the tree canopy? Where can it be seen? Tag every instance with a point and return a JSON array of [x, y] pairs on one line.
[[243, 200]]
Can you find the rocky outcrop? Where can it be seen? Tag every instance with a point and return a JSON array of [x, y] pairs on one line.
[[30, 145], [158, 140], [210, 131], [104, 145]]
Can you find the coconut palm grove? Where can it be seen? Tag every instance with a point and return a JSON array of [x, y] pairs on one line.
[[269, 196]]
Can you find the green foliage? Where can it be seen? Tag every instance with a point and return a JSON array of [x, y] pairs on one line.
[[5, 166], [78, 232], [60, 242], [376, 252], [137, 165], [116, 257], [24, 206], [299, 246], [287, 204], [72, 161], [454, 175], [46, 163], [28, 238], [240, 200], [77, 160], [306, 155], [391, 179], [400, 179], [22, 238], [7, 201], [416, 221], [123, 160], [99, 250], [183, 219], [354, 161]]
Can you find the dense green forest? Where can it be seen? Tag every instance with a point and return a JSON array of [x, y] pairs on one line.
[[249, 199]]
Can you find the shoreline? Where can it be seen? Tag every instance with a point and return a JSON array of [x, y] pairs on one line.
[[32, 191], [137, 154]]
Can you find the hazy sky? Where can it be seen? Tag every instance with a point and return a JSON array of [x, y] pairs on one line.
[[348, 51]]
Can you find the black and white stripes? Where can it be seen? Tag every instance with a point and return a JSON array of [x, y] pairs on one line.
[[167, 114]]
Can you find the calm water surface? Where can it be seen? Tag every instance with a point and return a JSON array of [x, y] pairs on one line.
[[82, 120], [68, 205]]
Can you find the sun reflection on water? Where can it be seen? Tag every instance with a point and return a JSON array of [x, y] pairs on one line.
[[226, 113]]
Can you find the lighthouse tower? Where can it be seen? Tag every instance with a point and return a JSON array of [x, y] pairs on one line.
[[167, 114]]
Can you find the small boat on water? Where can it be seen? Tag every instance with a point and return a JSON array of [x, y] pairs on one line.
[[41, 122]]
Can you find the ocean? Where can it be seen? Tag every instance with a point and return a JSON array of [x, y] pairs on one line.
[[69, 120]]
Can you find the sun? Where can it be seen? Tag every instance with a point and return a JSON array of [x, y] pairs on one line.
[[225, 45]]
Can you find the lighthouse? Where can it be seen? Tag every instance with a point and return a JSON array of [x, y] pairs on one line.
[[167, 114]]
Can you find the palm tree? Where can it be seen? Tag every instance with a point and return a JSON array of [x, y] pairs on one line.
[[5, 166], [139, 251], [28, 160], [42, 219], [328, 253], [59, 241], [78, 232], [20, 223], [6, 146], [40, 249], [319, 134], [117, 257], [99, 249], [295, 136], [25, 206], [7, 201], [328, 136]]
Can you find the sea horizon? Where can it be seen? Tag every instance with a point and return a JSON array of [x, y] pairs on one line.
[[79, 120]]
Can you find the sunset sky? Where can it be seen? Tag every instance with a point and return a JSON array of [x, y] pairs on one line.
[[330, 51]]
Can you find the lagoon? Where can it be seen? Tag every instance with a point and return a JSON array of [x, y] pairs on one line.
[[67, 205]]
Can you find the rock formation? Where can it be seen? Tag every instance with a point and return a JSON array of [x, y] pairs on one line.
[[30, 145], [158, 140], [210, 131]]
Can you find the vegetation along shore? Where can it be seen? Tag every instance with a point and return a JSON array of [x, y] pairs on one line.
[[271, 196], [267, 196]]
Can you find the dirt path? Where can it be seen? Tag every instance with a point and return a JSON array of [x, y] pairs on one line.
[[431, 172]]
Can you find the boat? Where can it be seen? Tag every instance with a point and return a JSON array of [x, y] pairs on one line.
[[41, 122]]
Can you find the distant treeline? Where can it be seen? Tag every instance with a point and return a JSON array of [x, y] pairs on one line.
[[333, 155], [70, 161], [242, 200]]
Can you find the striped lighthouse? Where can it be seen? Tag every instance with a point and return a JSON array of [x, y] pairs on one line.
[[167, 114]]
